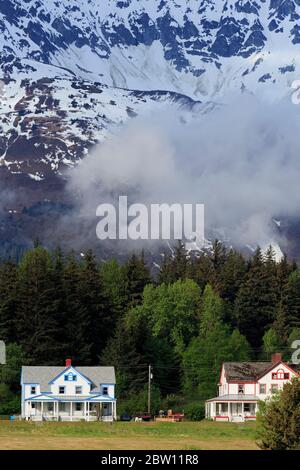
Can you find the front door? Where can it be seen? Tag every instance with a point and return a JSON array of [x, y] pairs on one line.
[[236, 409], [106, 409]]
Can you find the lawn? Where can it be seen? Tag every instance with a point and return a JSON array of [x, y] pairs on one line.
[[204, 435]]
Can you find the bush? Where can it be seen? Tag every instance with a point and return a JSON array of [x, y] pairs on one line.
[[279, 419], [195, 411], [9, 403], [138, 403]]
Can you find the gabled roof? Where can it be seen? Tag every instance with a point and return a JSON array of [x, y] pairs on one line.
[[251, 371], [66, 371], [44, 374]]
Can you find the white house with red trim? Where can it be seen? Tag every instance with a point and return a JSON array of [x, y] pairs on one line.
[[68, 393], [243, 384]]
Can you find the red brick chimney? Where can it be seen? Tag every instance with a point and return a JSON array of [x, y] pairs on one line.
[[68, 362], [276, 357]]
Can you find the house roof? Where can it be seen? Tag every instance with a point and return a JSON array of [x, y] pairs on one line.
[[44, 374], [251, 371], [240, 398]]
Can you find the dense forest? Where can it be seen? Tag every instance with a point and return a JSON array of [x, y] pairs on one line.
[[185, 321]]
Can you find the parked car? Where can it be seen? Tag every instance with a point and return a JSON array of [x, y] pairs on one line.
[[125, 417]]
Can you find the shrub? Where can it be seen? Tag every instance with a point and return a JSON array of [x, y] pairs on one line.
[[138, 402], [195, 411], [9, 403]]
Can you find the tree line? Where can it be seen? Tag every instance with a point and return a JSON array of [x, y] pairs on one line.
[[185, 320]]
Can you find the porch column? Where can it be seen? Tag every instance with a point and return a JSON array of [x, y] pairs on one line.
[[229, 411], [42, 408], [84, 410], [57, 410], [28, 414], [71, 410], [88, 407]]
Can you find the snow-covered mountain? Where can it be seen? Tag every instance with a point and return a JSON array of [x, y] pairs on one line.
[[73, 69]]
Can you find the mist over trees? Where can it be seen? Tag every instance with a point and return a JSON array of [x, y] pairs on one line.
[[184, 321]]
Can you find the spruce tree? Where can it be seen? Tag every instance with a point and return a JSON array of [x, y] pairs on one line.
[[77, 320], [137, 275], [121, 352], [8, 301], [257, 299], [36, 321]]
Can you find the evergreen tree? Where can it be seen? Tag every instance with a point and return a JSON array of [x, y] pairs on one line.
[[98, 322], [257, 299], [232, 274], [202, 270], [36, 322], [77, 325], [291, 299], [137, 276], [121, 352], [8, 301]]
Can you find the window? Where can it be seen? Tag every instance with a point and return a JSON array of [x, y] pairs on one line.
[[262, 389], [104, 390], [78, 406], [70, 377], [61, 389], [280, 375], [50, 406], [78, 390], [246, 407], [62, 406], [274, 388], [33, 405], [224, 407], [33, 390], [241, 389]]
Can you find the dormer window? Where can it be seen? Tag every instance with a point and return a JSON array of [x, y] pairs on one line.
[[33, 390], [280, 375], [104, 390], [241, 389], [70, 377]]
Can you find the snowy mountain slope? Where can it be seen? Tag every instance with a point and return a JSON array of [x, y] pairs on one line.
[[188, 46], [75, 69], [57, 56]]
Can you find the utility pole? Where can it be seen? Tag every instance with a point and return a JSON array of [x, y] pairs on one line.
[[149, 390]]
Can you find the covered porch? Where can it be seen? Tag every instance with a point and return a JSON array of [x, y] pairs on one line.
[[232, 408], [71, 410]]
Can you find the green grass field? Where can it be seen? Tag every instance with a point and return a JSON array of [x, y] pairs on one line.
[[127, 436]]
